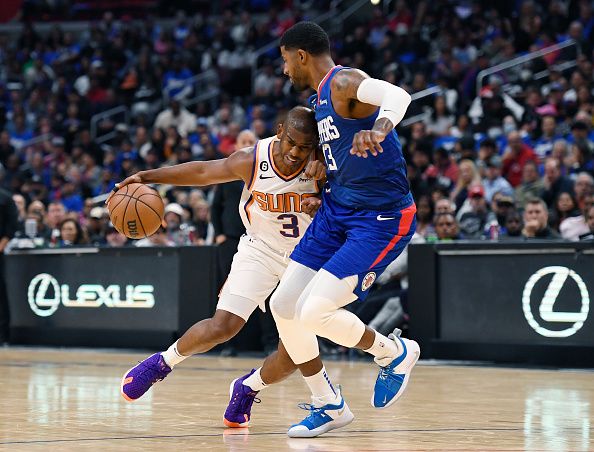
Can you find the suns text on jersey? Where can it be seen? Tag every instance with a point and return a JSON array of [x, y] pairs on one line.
[[280, 202], [327, 130]]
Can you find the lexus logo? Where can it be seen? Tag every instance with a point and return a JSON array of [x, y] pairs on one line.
[[560, 275], [45, 295]]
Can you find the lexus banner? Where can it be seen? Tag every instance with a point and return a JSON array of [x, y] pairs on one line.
[[523, 302], [95, 291], [517, 297]]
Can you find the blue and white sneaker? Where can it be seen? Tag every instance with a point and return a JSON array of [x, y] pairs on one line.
[[322, 418], [393, 378]]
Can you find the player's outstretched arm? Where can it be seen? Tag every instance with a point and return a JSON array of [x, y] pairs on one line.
[[238, 166], [354, 86]]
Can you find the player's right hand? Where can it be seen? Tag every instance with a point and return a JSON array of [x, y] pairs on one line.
[[315, 170], [134, 179], [366, 141], [311, 205]]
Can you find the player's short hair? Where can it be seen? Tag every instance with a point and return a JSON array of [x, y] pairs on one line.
[[307, 36], [302, 118]]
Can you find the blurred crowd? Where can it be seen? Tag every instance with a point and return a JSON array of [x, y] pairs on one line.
[[511, 158]]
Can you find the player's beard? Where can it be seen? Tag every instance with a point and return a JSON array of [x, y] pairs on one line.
[[298, 84]]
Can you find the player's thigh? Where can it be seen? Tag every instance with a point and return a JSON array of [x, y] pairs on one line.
[[372, 245], [253, 277]]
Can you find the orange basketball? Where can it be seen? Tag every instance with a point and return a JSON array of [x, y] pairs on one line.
[[136, 210]]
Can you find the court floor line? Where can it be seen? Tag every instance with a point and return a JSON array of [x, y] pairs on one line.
[[349, 432], [30, 364]]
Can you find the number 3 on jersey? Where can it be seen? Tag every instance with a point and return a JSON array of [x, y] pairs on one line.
[[330, 162]]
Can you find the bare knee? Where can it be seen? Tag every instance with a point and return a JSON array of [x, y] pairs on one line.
[[224, 326]]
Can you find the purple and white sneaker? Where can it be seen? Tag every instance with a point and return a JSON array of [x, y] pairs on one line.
[[141, 377], [241, 399]]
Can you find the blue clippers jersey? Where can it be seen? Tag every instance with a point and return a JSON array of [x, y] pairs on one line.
[[373, 183]]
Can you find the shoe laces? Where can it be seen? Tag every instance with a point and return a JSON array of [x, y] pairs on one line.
[[147, 368], [245, 401], [313, 410]]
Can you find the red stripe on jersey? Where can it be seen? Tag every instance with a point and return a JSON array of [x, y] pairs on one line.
[[406, 220]]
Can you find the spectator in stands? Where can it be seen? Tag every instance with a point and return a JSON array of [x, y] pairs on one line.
[[580, 158], [590, 222], [55, 214], [515, 157], [468, 176], [446, 228], [445, 167], [178, 117], [564, 207], [532, 185], [71, 233], [493, 181], [513, 226], [425, 216], [543, 147], [177, 232], [554, 183], [583, 187], [444, 205], [20, 203], [96, 226], [501, 206], [487, 149], [574, 227], [441, 120], [473, 221], [536, 219], [560, 153], [115, 239], [159, 238]]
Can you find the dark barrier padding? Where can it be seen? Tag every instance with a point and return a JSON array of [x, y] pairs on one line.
[[520, 303], [129, 297]]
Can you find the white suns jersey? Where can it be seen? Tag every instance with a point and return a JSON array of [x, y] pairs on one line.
[[270, 206]]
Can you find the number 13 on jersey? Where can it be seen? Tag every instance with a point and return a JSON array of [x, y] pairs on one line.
[[330, 162]]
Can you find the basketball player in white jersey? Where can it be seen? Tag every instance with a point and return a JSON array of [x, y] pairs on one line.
[[279, 198]]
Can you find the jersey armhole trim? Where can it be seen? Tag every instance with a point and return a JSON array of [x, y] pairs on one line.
[[254, 166]]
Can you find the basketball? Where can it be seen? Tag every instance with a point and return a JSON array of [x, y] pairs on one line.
[[136, 210]]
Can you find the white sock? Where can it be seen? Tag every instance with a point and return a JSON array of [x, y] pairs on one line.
[[384, 349], [254, 381], [321, 388], [172, 357]]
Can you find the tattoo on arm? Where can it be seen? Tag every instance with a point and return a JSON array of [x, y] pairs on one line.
[[383, 125], [346, 83]]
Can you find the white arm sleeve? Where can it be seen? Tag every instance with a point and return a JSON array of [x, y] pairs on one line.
[[392, 100]]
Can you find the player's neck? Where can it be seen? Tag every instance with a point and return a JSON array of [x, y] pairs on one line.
[[319, 69]]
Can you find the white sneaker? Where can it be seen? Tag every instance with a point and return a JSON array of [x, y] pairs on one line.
[[393, 378], [322, 418]]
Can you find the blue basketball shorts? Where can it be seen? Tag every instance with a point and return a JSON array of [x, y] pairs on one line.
[[346, 241]]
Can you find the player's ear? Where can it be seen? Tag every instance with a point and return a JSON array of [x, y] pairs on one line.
[[279, 130], [302, 56]]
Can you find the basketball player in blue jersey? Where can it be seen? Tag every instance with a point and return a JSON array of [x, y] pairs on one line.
[[366, 219]]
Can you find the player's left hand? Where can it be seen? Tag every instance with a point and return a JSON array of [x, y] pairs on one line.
[[315, 170], [366, 141], [311, 205]]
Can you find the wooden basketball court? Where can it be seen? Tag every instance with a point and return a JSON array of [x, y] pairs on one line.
[[69, 400]]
